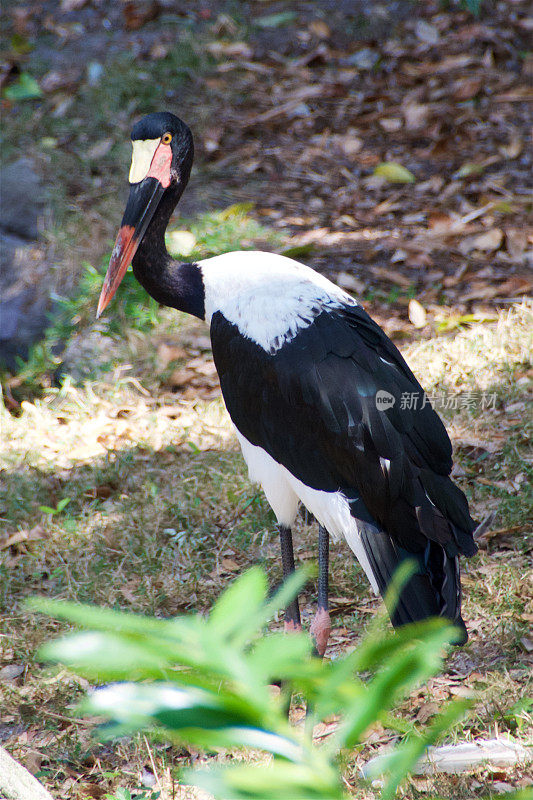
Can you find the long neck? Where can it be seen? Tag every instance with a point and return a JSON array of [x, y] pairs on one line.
[[167, 281]]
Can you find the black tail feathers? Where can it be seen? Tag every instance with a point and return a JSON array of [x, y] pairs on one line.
[[434, 590]]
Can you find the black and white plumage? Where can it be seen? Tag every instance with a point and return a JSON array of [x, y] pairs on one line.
[[300, 365]]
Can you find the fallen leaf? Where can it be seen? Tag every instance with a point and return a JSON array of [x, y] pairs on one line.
[[392, 275], [180, 243], [276, 20], [100, 149], [513, 149], [92, 790], [415, 115], [515, 241], [36, 533], [466, 88], [501, 786], [365, 59], [54, 80], [180, 377], [169, 352], [462, 691], [516, 285], [204, 366], [229, 565], [520, 94], [426, 711], [427, 33], [229, 49], [417, 313], [451, 63], [394, 173], [486, 242], [469, 170], [391, 124], [320, 29], [11, 671], [159, 51], [349, 143], [73, 5], [24, 88], [347, 281], [138, 12], [33, 761]]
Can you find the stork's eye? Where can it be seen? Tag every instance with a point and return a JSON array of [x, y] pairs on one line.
[[166, 138]]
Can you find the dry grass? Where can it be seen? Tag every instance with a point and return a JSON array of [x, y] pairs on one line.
[[161, 516]]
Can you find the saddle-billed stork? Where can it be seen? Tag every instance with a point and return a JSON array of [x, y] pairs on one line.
[[314, 389]]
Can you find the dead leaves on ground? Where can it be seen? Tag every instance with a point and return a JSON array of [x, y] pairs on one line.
[[442, 105], [195, 377]]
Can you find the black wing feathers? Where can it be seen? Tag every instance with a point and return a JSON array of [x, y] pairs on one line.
[[312, 406], [433, 590]]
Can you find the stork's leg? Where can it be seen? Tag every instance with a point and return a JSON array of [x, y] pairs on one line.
[[292, 612], [321, 625]]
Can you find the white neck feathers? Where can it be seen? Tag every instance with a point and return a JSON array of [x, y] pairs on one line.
[[270, 298]]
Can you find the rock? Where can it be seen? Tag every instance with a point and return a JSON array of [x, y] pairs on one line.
[[25, 276], [23, 320], [22, 199]]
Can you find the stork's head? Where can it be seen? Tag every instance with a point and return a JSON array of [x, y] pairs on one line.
[[160, 166]]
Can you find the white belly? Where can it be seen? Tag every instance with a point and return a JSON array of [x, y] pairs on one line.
[[284, 492]]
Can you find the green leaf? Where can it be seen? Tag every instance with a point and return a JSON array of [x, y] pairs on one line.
[[474, 6], [102, 619], [298, 250], [107, 656], [24, 88], [62, 504], [204, 682], [407, 668], [279, 656], [20, 44], [237, 210], [276, 20], [394, 173], [469, 170], [207, 718], [239, 603], [316, 781]]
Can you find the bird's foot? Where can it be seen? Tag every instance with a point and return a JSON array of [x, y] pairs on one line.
[[292, 627], [321, 629]]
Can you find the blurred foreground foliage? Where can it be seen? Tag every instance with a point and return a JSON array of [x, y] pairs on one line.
[[205, 682]]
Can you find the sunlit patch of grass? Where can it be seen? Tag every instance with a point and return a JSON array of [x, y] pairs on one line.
[[477, 357], [225, 230], [490, 363]]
